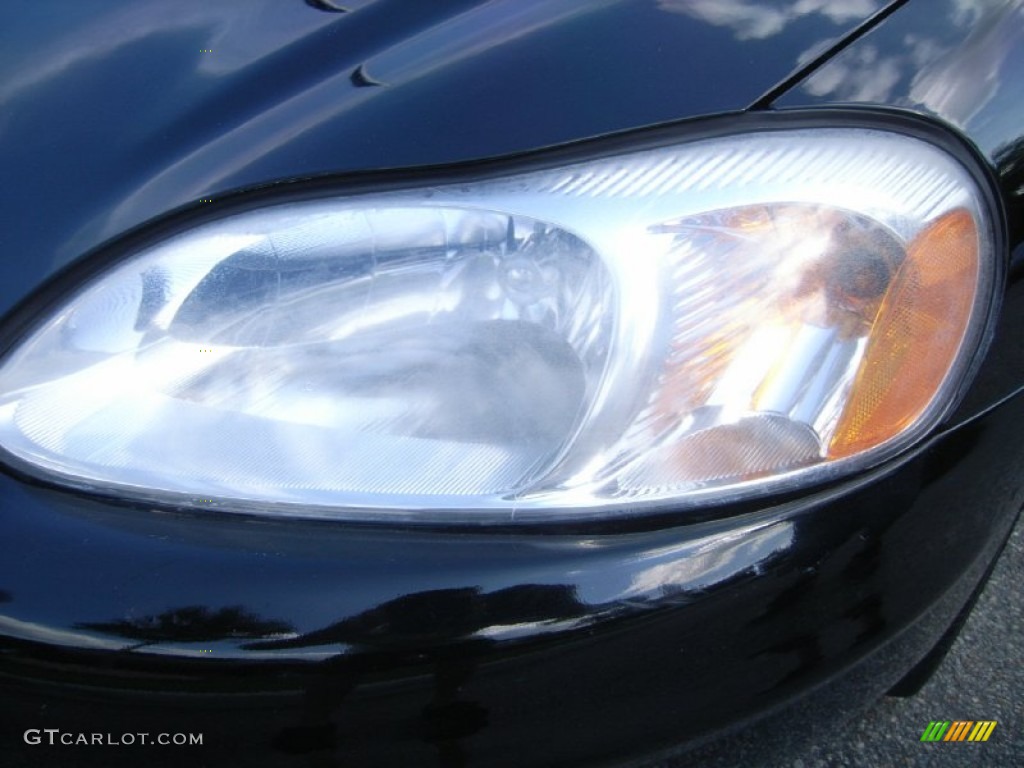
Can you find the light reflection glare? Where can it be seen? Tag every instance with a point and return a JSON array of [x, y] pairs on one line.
[[708, 562]]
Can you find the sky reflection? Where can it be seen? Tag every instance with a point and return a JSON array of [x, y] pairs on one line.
[[955, 63], [760, 19]]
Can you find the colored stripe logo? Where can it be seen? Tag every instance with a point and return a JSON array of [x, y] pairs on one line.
[[958, 730]]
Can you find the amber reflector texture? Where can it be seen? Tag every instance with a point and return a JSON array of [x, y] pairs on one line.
[[917, 334]]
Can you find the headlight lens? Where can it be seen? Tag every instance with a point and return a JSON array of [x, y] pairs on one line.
[[697, 322]]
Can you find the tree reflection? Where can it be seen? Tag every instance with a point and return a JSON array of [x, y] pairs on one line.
[[1009, 160], [191, 624], [448, 630]]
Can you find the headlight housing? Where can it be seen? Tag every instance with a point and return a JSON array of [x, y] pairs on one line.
[[690, 323]]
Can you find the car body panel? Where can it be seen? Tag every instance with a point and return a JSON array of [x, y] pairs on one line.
[[293, 642]]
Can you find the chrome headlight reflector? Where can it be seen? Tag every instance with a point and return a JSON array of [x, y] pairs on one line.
[[697, 322]]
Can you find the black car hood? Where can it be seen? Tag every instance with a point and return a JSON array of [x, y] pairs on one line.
[[113, 114]]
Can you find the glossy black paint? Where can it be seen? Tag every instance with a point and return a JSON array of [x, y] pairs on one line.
[[296, 643]]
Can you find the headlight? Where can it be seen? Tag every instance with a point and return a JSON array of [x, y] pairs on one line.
[[690, 323]]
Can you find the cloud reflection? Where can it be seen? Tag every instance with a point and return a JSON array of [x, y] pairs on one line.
[[953, 70], [757, 20], [959, 84]]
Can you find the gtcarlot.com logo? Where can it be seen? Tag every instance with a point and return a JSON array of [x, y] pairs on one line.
[[57, 737]]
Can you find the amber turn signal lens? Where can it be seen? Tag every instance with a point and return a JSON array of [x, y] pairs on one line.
[[916, 336]]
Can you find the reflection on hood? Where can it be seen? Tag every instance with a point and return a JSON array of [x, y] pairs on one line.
[[953, 71], [760, 19]]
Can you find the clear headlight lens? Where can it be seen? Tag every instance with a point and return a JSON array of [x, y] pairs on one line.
[[698, 322]]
